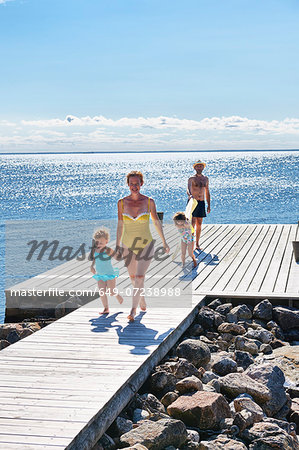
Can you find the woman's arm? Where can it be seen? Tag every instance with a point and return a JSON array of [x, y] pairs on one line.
[[120, 223], [158, 224]]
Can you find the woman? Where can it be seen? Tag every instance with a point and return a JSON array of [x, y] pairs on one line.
[[133, 233]]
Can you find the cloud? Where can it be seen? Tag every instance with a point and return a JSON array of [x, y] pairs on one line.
[[4, 1], [243, 124]]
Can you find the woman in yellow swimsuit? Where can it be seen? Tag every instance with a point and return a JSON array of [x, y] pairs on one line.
[[134, 236]]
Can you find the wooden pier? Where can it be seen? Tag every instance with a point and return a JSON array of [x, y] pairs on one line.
[[64, 385]]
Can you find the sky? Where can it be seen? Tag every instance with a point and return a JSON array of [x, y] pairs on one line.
[[142, 75]]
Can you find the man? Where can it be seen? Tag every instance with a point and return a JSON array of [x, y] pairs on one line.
[[198, 188]]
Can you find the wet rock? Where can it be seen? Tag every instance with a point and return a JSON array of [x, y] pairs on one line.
[[169, 398], [209, 319], [189, 384], [246, 345], [232, 328], [243, 359], [157, 435], [201, 409], [222, 365], [222, 442], [273, 378], [194, 351], [286, 317], [234, 384], [152, 402], [263, 310], [238, 313], [263, 336], [4, 343], [162, 382]]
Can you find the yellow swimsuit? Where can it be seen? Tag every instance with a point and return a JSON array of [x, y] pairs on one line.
[[137, 227]]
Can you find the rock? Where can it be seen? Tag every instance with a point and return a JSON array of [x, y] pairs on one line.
[[275, 330], [169, 398], [209, 319], [184, 368], [215, 384], [162, 382], [193, 435], [247, 413], [208, 376], [238, 313], [195, 351], [234, 384], [7, 328], [263, 310], [264, 436], [232, 328], [67, 306], [247, 345], [120, 426], [292, 335], [137, 447], [4, 343], [189, 384], [212, 335], [222, 442], [286, 317], [201, 409], [157, 435], [286, 426], [26, 332], [105, 443], [13, 337], [224, 309], [266, 349], [34, 326], [152, 401], [140, 414], [243, 359], [215, 303], [196, 330], [273, 378], [222, 365], [263, 336], [294, 412]]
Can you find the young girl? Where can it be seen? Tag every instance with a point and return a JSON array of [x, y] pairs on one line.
[[187, 240], [104, 273]]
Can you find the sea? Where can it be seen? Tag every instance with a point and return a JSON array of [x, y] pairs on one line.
[[71, 189]]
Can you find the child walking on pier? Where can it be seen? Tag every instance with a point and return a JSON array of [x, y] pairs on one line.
[[102, 268], [187, 240]]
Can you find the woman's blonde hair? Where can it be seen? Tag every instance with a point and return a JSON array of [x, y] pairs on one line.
[[135, 173], [102, 232]]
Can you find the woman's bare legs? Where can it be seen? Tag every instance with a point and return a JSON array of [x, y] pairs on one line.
[[103, 287], [111, 286]]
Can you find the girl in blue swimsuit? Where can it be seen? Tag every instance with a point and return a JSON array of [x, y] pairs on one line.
[[187, 239], [102, 268]]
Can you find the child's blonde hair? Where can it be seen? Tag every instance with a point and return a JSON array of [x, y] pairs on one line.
[[179, 216], [102, 232]]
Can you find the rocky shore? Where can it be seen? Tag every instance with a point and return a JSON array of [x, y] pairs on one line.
[[231, 382]]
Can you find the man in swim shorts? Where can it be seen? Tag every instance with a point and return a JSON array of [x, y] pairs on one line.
[[198, 188]]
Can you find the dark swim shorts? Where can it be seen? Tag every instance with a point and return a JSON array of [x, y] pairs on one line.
[[200, 210]]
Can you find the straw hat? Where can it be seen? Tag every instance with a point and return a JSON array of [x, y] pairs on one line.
[[199, 162]]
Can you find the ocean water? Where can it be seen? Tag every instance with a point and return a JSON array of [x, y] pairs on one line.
[[246, 187]]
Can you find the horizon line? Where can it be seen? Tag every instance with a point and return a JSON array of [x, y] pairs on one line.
[[148, 151]]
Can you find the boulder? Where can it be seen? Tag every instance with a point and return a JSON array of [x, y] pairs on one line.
[[196, 330], [157, 435], [196, 352], [162, 382], [273, 378], [224, 309], [243, 359], [232, 328], [246, 345], [189, 384], [209, 319], [152, 401], [120, 426], [234, 384], [238, 313], [222, 365], [4, 343], [208, 376], [265, 435], [184, 368], [169, 398], [286, 317], [222, 442], [263, 310], [201, 409], [247, 412], [264, 336], [294, 412], [140, 414], [105, 443]]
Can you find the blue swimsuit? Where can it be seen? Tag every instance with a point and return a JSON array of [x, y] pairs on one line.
[[104, 268]]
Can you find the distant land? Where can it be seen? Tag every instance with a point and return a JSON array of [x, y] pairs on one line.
[[150, 151]]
